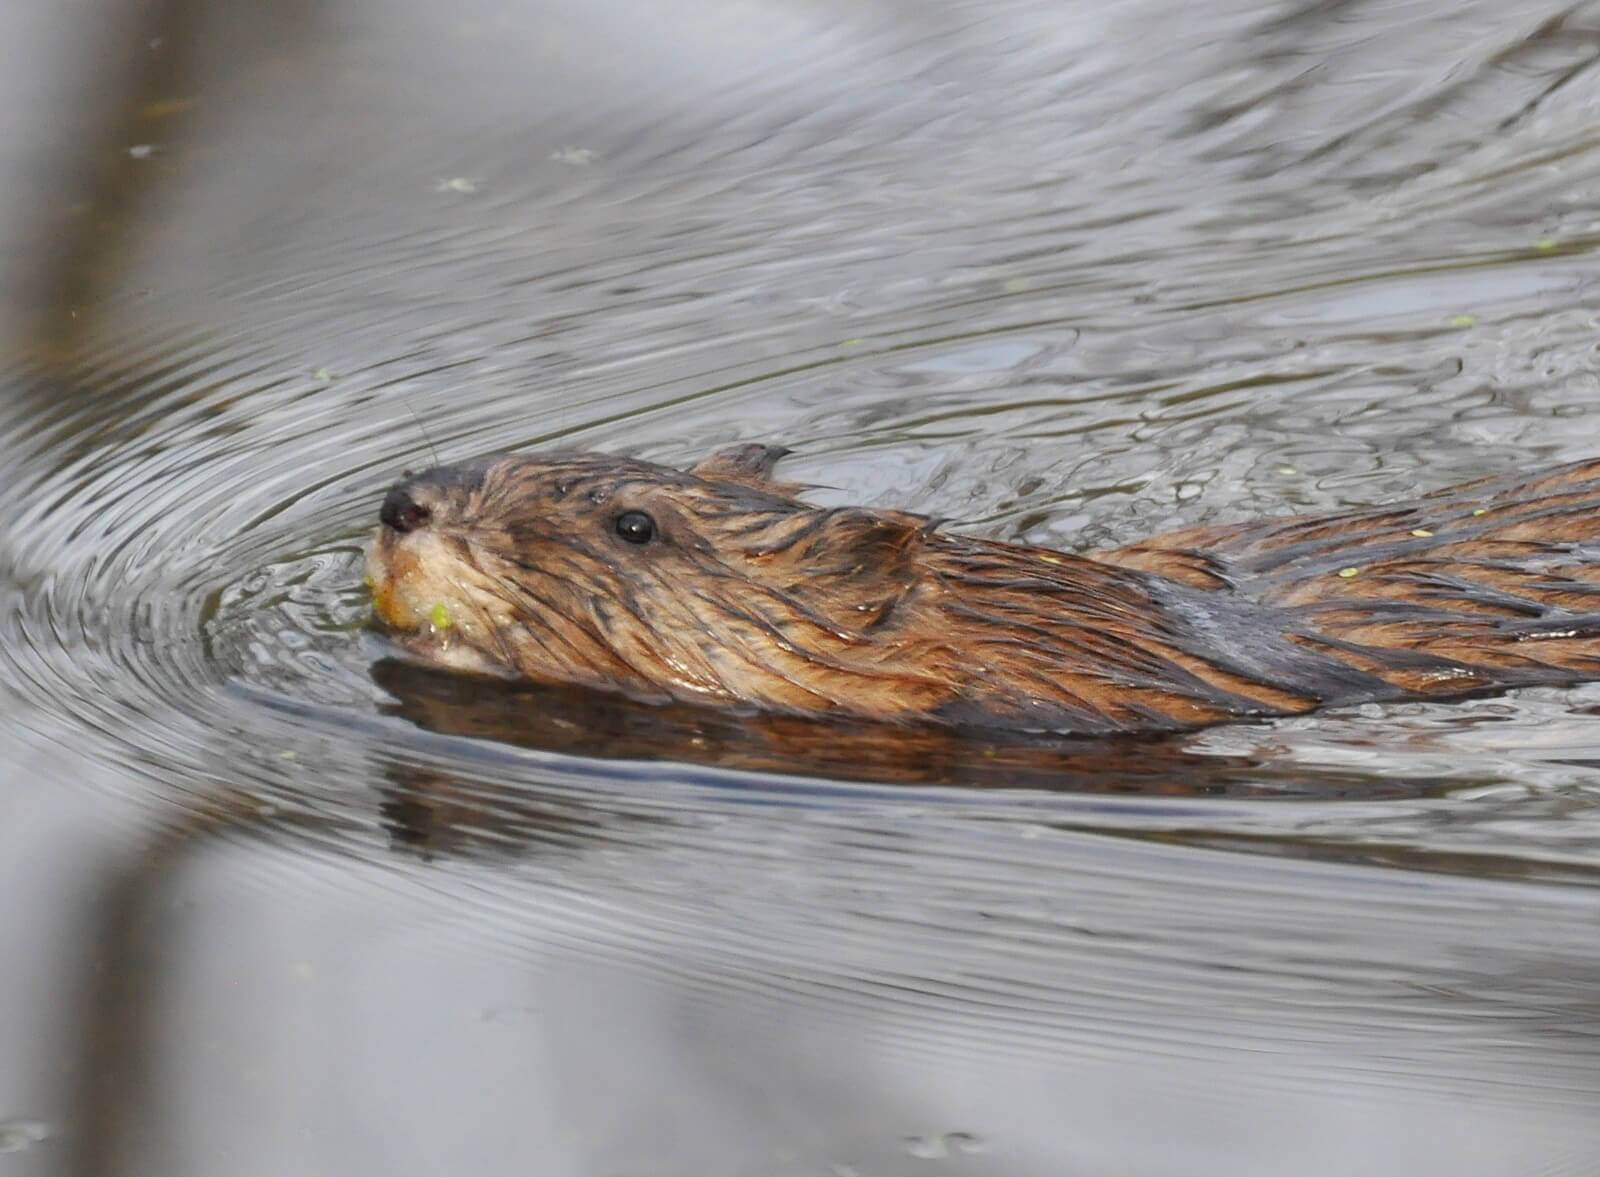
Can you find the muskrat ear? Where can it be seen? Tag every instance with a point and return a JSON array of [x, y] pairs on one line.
[[849, 566], [882, 542], [750, 464], [844, 541]]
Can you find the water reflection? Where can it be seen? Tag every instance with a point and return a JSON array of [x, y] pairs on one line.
[[783, 991], [590, 723]]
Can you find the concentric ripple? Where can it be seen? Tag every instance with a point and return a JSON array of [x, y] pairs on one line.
[[189, 590]]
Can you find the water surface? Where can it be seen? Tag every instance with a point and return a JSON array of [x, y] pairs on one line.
[[1068, 275]]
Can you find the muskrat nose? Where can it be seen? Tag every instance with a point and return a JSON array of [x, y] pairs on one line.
[[402, 512]]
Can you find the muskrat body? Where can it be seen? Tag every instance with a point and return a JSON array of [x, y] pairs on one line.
[[719, 585]]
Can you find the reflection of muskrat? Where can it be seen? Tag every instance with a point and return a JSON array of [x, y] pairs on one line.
[[559, 717], [717, 585]]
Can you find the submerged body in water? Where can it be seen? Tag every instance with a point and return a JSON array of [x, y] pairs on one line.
[[718, 585]]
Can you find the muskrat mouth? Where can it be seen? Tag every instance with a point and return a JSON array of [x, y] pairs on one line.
[[389, 608], [422, 624], [401, 604]]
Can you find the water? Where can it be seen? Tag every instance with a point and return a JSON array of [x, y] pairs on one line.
[[1070, 275]]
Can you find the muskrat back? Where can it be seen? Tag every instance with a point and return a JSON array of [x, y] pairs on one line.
[[718, 584]]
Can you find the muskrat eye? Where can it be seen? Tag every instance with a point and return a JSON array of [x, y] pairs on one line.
[[635, 526]]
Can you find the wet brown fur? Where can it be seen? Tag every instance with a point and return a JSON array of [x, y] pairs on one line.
[[747, 595]]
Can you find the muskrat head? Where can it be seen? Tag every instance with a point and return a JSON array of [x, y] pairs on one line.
[[714, 583]]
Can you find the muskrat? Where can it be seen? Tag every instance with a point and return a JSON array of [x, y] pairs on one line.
[[718, 585]]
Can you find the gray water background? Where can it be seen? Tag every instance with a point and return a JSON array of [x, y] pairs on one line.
[[1065, 273]]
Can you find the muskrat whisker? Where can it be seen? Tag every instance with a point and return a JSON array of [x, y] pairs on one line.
[[428, 441]]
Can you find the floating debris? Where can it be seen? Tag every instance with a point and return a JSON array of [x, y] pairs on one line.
[[165, 108], [935, 1148], [21, 1135]]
